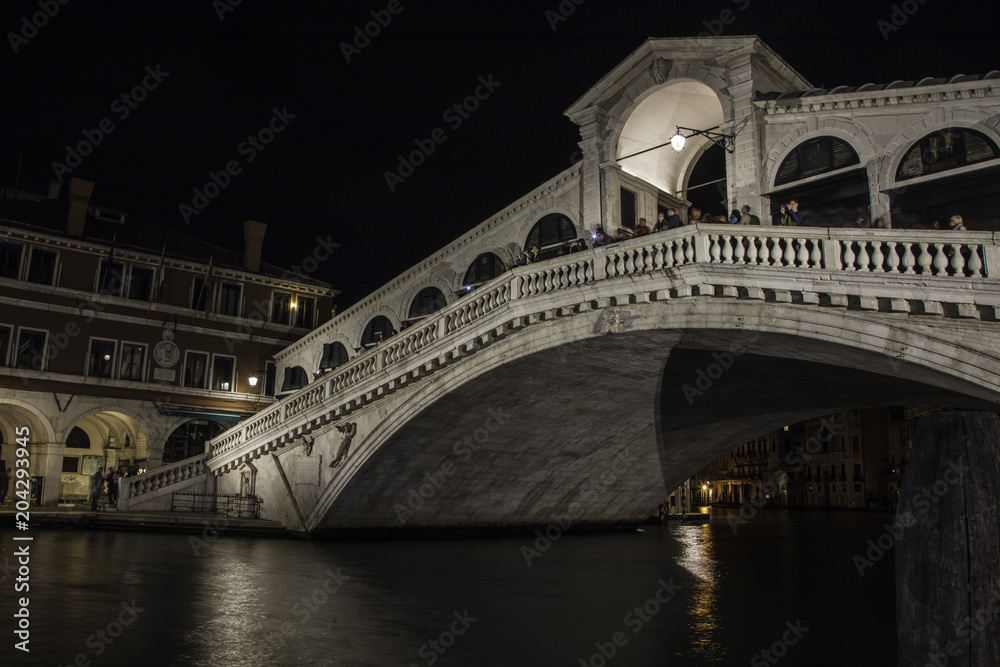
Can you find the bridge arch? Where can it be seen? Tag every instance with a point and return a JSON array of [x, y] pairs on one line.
[[843, 358]]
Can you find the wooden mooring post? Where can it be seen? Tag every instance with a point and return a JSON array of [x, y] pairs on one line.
[[948, 543]]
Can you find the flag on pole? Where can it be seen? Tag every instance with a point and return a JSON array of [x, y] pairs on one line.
[[160, 274], [207, 289], [110, 284]]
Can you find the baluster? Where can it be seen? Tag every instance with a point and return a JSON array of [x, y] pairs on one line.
[[752, 250], [975, 262], [957, 260], [891, 257], [940, 260], [877, 257], [909, 261], [816, 256], [727, 250], [802, 258], [678, 252], [629, 263], [739, 252], [714, 248], [657, 256], [776, 252], [924, 260], [863, 258], [689, 249], [849, 256]]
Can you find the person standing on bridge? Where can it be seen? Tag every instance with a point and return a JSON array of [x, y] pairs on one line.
[[956, 223]]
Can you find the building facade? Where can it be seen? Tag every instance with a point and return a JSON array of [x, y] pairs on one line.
[[123, 344]]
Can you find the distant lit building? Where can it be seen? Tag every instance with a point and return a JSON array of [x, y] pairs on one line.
[[847, 460], [125, 344]]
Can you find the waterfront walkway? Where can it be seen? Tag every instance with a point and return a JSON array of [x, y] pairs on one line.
[[79, 516]]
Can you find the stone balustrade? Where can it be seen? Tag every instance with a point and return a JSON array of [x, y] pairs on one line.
[[945, 260], [165, 476]]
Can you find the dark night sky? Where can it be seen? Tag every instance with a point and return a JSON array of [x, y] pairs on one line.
[[324, 173]]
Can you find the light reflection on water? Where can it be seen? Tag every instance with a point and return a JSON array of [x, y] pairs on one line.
[[697, 556], [274, 602]]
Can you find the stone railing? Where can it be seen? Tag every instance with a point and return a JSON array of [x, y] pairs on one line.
[[165, 476], [950, 259]]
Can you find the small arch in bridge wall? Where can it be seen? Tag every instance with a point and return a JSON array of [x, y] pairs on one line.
[[361, 322], [856, 135], [900, 145], [378, 329], [485, 267], [294, 377], [426, 302], [332, 355], [315, 353], [438, 281], [549, 233]]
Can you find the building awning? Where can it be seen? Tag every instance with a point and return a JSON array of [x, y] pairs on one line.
[[197, 412]]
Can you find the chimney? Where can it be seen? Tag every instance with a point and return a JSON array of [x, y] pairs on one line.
[[253, 238], [79, 198]]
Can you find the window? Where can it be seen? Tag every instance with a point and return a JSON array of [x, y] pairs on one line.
[[229, 299], [816, 156], [10, 260], [378, 330], [42, 267], [78, 439], [140, 283], [549, 233], [196, 370], [428, 300], [71, 464], [855, 443], [100, 362], [628, 208], [133, 362], [334, 354], [111, 278], [946, 149], [485, 267], [4, 345], [281, 306], [31, 350], [222, 373], [303, 312]]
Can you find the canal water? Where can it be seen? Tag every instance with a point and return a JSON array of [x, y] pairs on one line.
[[712, 593]]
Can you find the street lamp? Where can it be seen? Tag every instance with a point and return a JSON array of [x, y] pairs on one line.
[[727, 141]]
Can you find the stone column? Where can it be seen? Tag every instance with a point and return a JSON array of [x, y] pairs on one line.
[[46, 462], [590, 121], [948, 543]]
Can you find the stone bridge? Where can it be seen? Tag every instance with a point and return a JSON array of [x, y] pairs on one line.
[[584, 388]]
